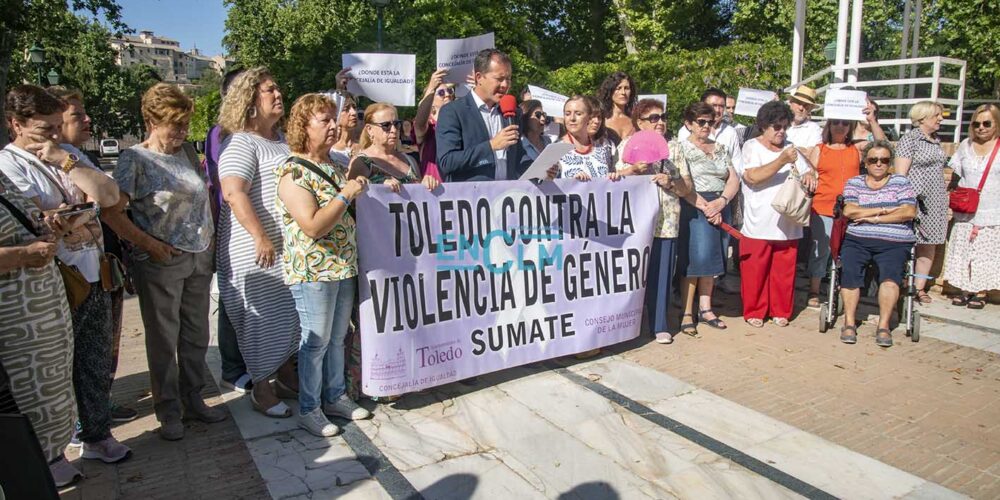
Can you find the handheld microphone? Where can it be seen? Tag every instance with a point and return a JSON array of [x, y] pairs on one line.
[[508, 107]]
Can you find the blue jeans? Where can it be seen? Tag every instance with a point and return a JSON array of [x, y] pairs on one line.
[[324, 313], [820, 227], [658, 280]]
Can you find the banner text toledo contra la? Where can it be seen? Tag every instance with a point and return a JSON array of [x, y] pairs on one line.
[[477, 277]]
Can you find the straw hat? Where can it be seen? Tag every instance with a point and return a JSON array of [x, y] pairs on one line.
[[804, 95]]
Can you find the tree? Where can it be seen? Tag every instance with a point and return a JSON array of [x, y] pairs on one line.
[[968, 29], [25, 21], [206, 113]]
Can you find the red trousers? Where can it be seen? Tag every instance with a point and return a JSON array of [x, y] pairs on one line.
[[767, 274]]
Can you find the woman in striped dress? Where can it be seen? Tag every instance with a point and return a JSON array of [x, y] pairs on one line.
[[249, 241]]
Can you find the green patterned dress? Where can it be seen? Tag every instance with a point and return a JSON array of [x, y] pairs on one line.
[[36, 337]]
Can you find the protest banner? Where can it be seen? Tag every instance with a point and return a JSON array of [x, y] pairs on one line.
[[845, 104], [383, 77], [656, 97], [478, 277], [749, 101], [458, 56], [552, 103]]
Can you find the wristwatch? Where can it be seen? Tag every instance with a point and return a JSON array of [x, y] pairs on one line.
[[69, 163]]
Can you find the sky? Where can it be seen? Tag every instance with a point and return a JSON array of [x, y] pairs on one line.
[[193, 23]]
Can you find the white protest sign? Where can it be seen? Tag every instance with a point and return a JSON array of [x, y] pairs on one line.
[[552, 103], [845, 104], [749, 101], [458, 56], [383, 77], [656, 97]]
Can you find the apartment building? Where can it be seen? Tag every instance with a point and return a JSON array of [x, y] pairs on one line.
[[165, 55]]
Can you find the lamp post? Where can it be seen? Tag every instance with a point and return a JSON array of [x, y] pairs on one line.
[[36, 56], [53, 77], [380, 6]]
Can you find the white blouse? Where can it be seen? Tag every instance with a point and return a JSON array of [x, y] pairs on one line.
[[970, 167]]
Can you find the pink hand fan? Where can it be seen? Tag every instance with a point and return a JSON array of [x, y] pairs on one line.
[[646, 146]]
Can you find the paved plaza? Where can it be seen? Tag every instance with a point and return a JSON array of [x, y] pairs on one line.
[[747, 413]]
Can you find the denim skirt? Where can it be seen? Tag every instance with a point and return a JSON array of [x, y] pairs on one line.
[[702, 248]]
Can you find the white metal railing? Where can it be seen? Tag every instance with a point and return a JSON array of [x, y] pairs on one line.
[[937, 83]]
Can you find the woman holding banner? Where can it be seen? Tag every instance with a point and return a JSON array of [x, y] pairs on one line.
[[702, 255], [320, 260], [617, 96], [769, 246], [674, 182], [379, 159], [435, 97], [256, 299]]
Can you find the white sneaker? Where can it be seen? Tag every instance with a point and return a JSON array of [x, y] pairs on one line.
[[664, 338], [344, 407], [317, 424]]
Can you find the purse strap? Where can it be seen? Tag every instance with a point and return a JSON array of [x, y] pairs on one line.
[[314, 169], [45, 172], [993, 155], [19, 215]]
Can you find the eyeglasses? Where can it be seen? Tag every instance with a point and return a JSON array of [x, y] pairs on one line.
[[446, 91], [777, 127], [386, 126], [839, 123], [985, 124], [878, 159], [705, 123], [653, 118]]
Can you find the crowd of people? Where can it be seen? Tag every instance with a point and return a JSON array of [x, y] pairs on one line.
[[270, 212]]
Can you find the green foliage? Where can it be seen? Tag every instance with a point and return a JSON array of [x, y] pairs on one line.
[[969, 30], [206, 113], [683, 75]]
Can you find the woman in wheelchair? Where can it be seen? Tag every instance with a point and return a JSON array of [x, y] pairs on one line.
[[881, 208]]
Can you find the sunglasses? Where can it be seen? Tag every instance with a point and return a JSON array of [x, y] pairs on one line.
[[705, 123], [777, 127], [884, 160], [653, 118], [985, 124], [839, 123], [445, 91], [540, 115], [386, 126]]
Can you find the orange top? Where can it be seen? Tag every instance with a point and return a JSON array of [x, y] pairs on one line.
[[834, 168]]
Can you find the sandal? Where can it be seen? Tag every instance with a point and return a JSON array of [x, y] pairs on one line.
[[280, 410], [813, 301], [283, 391], [849, 339], [782, 322], [923, 298], [961, 300], [755, 322], [883, 340], [976, 302], [714, 322], [689, 328]]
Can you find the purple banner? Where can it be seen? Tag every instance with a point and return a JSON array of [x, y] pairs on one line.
[[478, 277]]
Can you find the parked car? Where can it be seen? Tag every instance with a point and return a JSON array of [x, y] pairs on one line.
[[109, 147]]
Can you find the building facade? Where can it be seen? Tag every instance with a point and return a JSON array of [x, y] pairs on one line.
[[165, 55]]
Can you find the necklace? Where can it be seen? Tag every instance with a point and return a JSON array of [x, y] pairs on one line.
[[586, 150]]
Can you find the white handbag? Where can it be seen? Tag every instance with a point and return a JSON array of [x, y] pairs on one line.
[[792, 200]]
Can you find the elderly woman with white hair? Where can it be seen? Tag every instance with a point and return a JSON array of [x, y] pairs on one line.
[[919, 156]]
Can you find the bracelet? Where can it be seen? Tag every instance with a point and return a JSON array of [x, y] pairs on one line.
[[724, 198], [344, 199]]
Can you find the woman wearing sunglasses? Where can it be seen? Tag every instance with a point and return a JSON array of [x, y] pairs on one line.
[[769, 246], [881, 207], [533, 136], [836, 160], [380, 159], [435, 97], [674, 182], [702, 252], [972, 262]]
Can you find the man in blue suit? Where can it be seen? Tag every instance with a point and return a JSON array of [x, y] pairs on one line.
[[472, 142]]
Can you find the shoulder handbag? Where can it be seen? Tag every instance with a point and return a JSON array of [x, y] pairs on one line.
[[966, 200], [792, 200], [77, 286]]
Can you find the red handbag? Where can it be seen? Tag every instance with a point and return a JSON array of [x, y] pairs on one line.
[[966, 200]]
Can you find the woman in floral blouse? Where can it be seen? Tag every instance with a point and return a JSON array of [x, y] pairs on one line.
[[319, 260]]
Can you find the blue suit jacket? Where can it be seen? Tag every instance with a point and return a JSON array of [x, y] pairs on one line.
[[463, 145]]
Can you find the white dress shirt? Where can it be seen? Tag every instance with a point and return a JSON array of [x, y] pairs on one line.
[[494, 124]]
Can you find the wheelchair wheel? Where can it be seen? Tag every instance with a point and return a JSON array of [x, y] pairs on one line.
[[824, 310], [915, 331]]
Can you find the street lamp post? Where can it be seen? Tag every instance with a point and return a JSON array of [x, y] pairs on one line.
[[380, 6], [53, 77], [36, 56]]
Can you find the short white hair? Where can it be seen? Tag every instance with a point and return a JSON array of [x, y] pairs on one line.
[[923, 110]]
